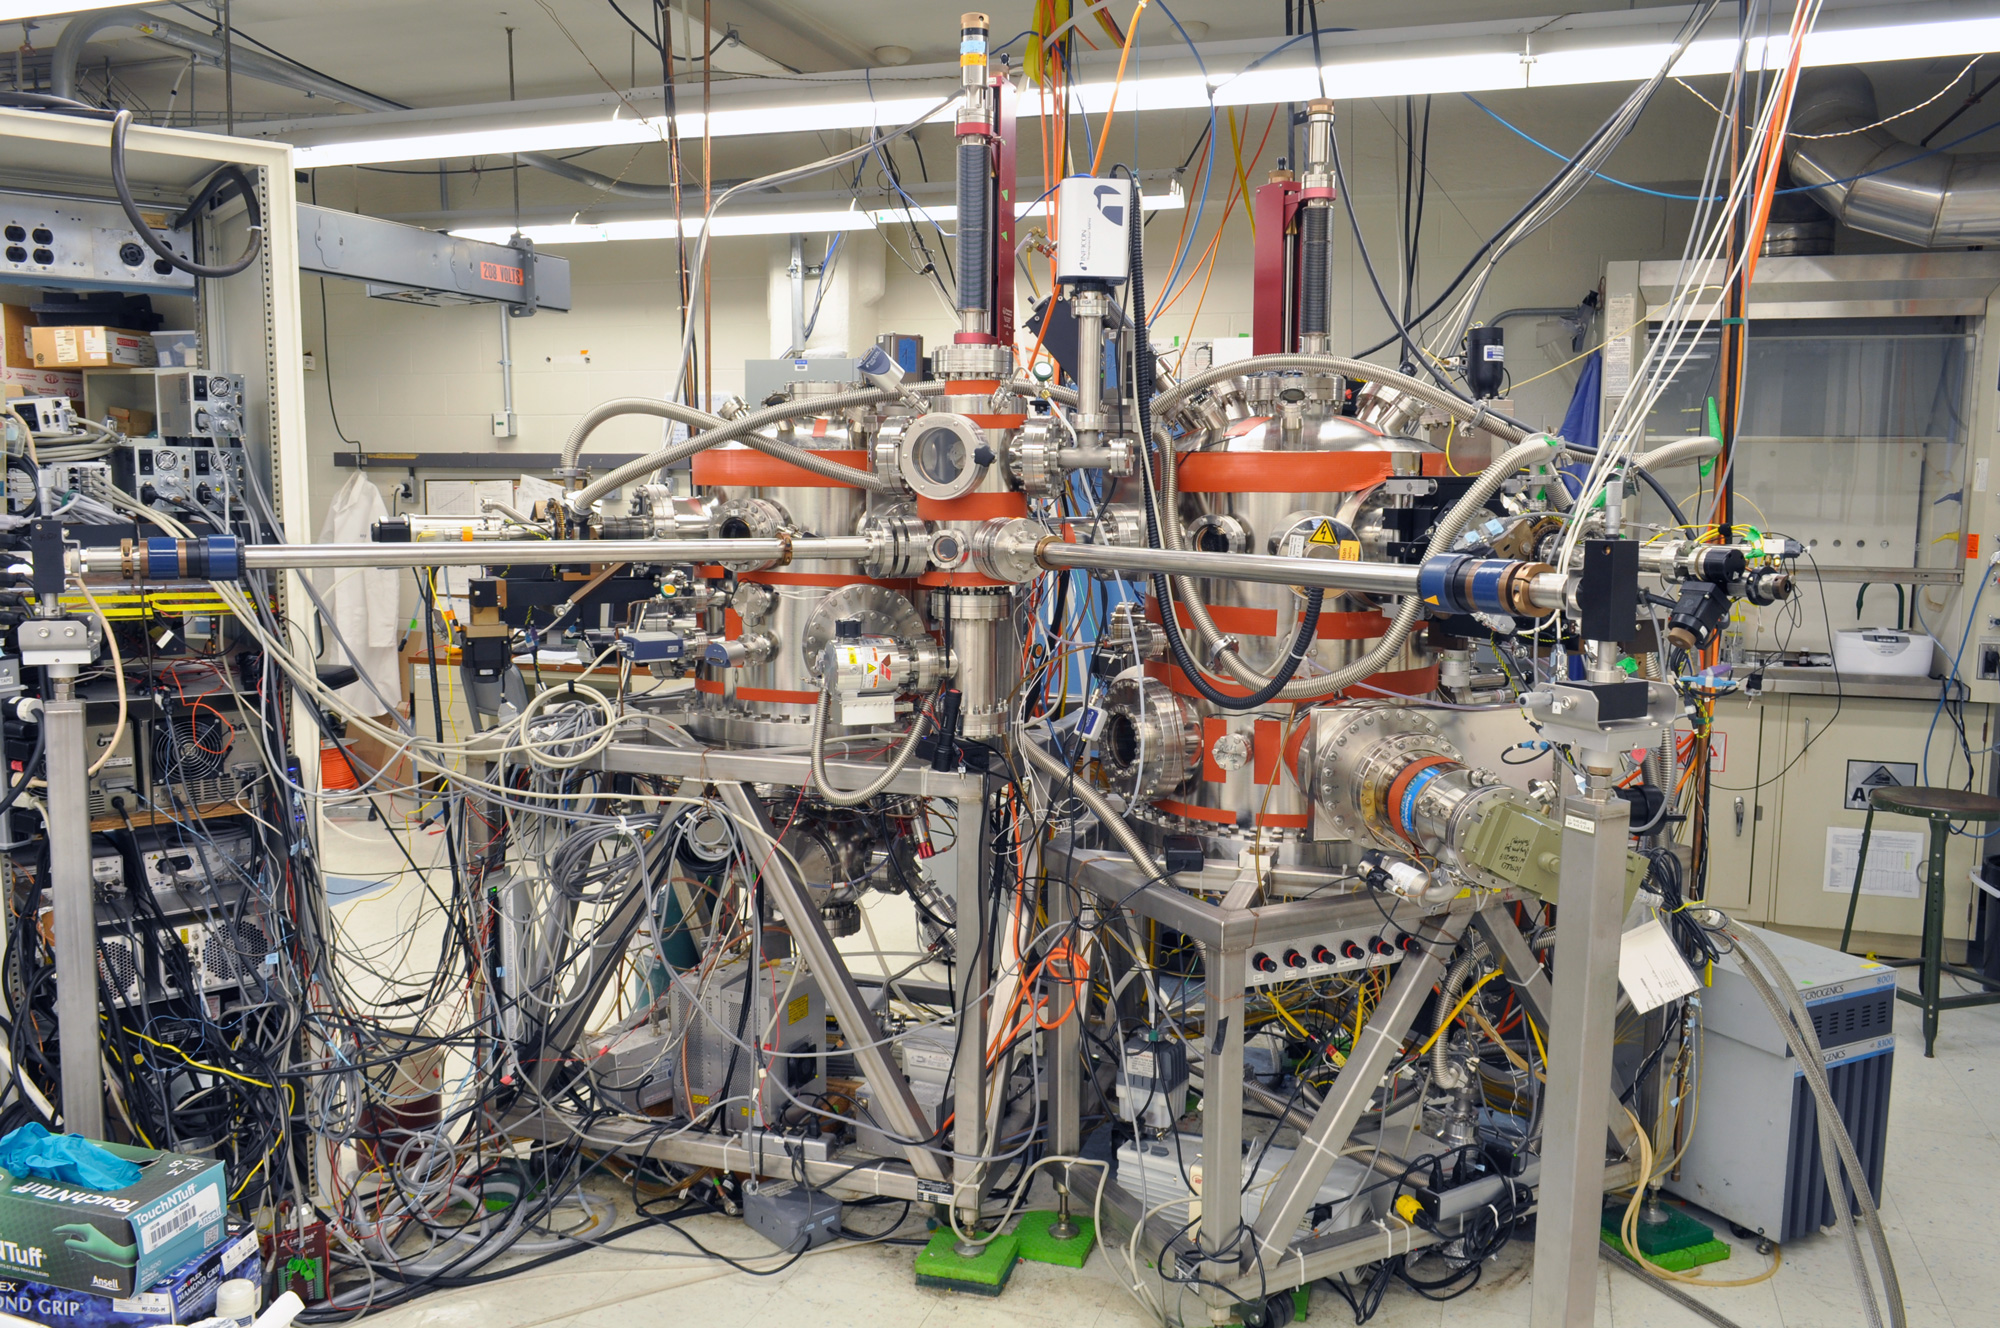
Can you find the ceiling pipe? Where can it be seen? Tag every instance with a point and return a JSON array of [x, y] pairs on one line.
[[1930, 200], [77, 35]]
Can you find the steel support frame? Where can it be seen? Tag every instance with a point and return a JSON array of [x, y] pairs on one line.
[[921, 1175], [1276, 1257], [1239, 1262]]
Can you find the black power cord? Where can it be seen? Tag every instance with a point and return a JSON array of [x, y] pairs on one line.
[[230, 176]]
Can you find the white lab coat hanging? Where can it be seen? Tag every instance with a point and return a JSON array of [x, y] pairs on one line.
[[364, 602]]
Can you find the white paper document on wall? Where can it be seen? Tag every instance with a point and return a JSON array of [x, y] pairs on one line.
[[1896, 862]]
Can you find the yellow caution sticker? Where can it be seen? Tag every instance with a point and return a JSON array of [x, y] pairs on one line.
[[1323, 535], [1350, 551]]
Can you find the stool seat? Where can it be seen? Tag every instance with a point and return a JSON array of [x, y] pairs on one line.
[[1941, 807], [1950, 804]]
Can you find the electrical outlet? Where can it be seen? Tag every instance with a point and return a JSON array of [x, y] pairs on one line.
[[1989, 661]]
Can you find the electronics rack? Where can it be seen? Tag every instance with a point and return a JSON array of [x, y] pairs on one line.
[[176, 855]]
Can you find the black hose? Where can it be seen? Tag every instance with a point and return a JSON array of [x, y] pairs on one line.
[[974, 244], [1142, 386], [1315, 289], [27, 768], [231, 173], [1652, 482]]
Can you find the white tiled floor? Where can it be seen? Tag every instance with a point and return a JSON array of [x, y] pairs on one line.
[[1943, 1167]]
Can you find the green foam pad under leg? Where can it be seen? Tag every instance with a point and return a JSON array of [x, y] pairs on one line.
[[940, 1265], [1038, 1245]]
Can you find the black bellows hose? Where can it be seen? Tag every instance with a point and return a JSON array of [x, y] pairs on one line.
[[1142, 386], [974, 190], [1315, 286]]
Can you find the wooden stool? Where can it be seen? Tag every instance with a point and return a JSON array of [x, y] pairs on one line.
[[1939, 806]]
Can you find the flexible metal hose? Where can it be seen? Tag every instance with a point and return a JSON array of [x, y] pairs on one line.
[[1135, 848], [744, 428], [1535, 450], [1795, 1022], [855, 797], [611, 410], [1678, 452], [1444, 1073], [1468, 411]]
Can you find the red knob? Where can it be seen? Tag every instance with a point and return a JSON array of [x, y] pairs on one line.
[[1263, 963], [1322, 955], [1381, 947], [1349, 950], [1293, 959]]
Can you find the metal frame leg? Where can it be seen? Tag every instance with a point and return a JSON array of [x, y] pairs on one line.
[[969, 1100], [72, 896], [1860, 866], [1590, 903], [1227, 969], [1933, 932]]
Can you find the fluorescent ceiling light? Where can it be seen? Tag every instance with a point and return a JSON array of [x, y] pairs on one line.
[[1554, 63], [11, 10], [888, 113], [759, 223], [666, 228], [1487, 63]]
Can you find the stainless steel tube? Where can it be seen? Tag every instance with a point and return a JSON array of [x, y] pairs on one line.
[[456, 553], [1365, 578]]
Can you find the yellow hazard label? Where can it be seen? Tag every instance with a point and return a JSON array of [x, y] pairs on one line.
[[1350, 551], [797, 1009], [1430, 599], [1323, 535]]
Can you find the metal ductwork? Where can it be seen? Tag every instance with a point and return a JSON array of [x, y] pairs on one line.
[[1932, 201], [249, 64]]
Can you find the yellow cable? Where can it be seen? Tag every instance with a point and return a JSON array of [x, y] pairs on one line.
[[1242, 176], [199, 1065], [1456, 1010], [1286, 1015]]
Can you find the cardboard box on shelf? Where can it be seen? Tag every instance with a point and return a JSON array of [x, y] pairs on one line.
[[130, 422], [18, 351], [185, 1295], [43, 383], [113, 1241], [93, 348]]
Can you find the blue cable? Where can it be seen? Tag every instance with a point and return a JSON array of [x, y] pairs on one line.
[[1208, 168], [1698, 198]]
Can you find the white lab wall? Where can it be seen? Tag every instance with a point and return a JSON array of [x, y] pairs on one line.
[[417, 379]]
